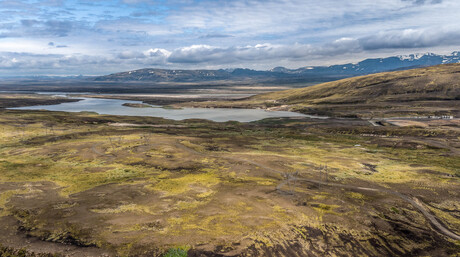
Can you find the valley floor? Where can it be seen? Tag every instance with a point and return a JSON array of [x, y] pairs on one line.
[[94, 185]]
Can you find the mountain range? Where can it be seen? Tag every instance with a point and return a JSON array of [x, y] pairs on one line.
[[428, 91], [364, 67]]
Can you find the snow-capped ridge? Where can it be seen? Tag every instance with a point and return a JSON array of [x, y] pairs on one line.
[[413, 57]]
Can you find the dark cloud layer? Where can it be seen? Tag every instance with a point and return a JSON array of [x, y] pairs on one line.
[[107, 36], [421, 2], [410, 39], [213, 55]]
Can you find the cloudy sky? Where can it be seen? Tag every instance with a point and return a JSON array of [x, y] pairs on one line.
[[91, 37]]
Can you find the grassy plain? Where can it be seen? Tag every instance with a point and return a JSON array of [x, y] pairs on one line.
[[89, 185]]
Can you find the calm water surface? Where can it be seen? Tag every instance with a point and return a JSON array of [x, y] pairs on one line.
[[115, 107]]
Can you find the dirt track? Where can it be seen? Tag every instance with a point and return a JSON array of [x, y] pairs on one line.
[[413, 201]]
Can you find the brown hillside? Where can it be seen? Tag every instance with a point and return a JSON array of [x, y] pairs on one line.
[[419, 92], [440, 82]]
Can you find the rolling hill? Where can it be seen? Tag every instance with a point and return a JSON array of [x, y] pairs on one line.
[[424, 91], [433, 83]]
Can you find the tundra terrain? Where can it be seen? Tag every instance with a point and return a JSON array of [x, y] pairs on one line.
[[372, 180]]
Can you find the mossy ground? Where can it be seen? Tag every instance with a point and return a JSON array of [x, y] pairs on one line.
[[74, 178]]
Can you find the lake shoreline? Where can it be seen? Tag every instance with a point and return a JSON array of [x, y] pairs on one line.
[[124, 107]]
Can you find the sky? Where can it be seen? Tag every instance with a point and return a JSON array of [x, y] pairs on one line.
[[72, 37]]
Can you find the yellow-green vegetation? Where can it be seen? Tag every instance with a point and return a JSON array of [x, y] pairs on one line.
[[177, 252], [324, 208], [448, 217], [71, 175], [222, 187], [356, 195], [4, 198], [126, 208], [174, 186]]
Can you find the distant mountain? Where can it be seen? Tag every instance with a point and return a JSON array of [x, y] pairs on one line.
[[428, 91], [163, 75], [160, 75], [367, 66], [376, 65]]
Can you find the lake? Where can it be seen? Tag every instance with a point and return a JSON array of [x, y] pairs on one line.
[[115, 107]]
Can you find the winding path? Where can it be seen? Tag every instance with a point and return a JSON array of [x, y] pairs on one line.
[[413, 201]]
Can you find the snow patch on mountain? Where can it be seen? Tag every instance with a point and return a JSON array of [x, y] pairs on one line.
[[412, 57]]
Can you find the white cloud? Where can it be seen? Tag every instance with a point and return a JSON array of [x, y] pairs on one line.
[[412, 38], [157, 52], [108, 35]]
